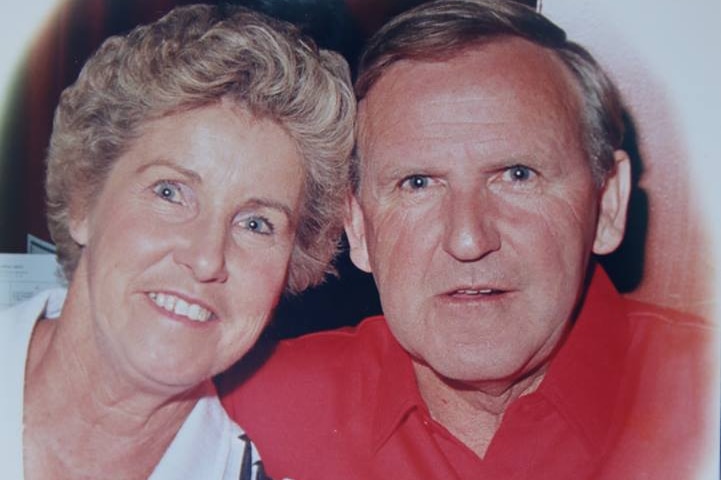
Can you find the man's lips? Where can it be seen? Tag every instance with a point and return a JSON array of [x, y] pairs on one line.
[[476, 291]]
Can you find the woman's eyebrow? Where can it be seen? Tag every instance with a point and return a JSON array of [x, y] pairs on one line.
[[163, 162]]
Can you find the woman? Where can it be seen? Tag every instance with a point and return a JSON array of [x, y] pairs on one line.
[[196, 170]]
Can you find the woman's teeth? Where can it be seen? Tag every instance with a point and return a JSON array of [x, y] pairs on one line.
[[180, 307]]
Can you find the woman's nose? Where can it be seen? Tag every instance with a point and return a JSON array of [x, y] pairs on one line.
[[202, 250]]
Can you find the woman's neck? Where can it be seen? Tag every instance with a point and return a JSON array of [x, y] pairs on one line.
[[82, 418]]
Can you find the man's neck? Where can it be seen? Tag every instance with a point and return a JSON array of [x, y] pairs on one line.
[[471, 412]]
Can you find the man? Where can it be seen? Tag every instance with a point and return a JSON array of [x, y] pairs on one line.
[[488, 177]]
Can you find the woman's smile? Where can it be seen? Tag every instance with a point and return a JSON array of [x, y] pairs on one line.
[[180, 307]]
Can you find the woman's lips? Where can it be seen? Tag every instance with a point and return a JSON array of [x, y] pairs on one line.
[[178, 306]]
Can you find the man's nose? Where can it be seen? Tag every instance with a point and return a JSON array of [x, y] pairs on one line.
[[202, 250], [471, 230]]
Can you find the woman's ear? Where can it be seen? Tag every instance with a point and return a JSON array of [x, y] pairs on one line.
[[355, 231], [613, 206], [78, 224]]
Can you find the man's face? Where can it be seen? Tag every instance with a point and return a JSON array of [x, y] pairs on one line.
[[477, 211]]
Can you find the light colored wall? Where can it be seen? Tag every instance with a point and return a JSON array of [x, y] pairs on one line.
[[18, 25], [664, 57]]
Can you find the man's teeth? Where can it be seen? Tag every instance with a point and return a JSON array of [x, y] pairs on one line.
[[179, 306], [484, 291]]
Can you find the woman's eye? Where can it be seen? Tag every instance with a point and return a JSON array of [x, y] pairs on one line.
[[258, 224], [415, 182], [169, 191], [519, 173]]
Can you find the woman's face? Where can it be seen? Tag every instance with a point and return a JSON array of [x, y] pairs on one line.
[[186, 249]]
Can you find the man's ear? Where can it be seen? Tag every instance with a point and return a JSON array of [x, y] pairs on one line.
[[355, 231], [613, 206]]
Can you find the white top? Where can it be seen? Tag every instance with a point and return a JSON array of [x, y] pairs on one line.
[[209, 445]]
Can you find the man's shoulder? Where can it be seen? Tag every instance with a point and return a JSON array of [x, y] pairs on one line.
[[668, 391], [312, 394], [680, 347], [332, 350], [371, 335], [643, 311], [317, 364], [679, 331]]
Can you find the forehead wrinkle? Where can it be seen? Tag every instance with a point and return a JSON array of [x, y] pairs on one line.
[[420, 122]]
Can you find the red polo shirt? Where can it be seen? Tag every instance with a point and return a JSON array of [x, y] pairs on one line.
[[629, 395]]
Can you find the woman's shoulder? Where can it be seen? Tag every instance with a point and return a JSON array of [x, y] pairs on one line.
[[44, 304]]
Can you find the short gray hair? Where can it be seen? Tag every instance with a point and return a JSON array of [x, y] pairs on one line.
[[442, 29]]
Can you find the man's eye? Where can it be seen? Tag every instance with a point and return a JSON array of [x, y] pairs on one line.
[[415, 182], [258, 224], [519, 173], [168, 191]]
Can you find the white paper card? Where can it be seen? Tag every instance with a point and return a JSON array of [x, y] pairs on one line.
[[23, 275]]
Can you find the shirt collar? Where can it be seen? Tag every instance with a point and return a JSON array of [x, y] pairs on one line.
[[584, 378], [398, 392], [208, 444]]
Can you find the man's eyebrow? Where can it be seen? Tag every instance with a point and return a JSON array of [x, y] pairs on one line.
[[164, 162], [400, 171]]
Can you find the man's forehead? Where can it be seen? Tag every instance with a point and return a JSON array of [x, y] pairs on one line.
[[490, 59], [471, 85]]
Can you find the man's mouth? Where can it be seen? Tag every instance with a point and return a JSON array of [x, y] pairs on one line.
[[482, 291], [180, 307]]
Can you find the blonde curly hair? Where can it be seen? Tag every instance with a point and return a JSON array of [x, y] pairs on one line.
[[193, 57]]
